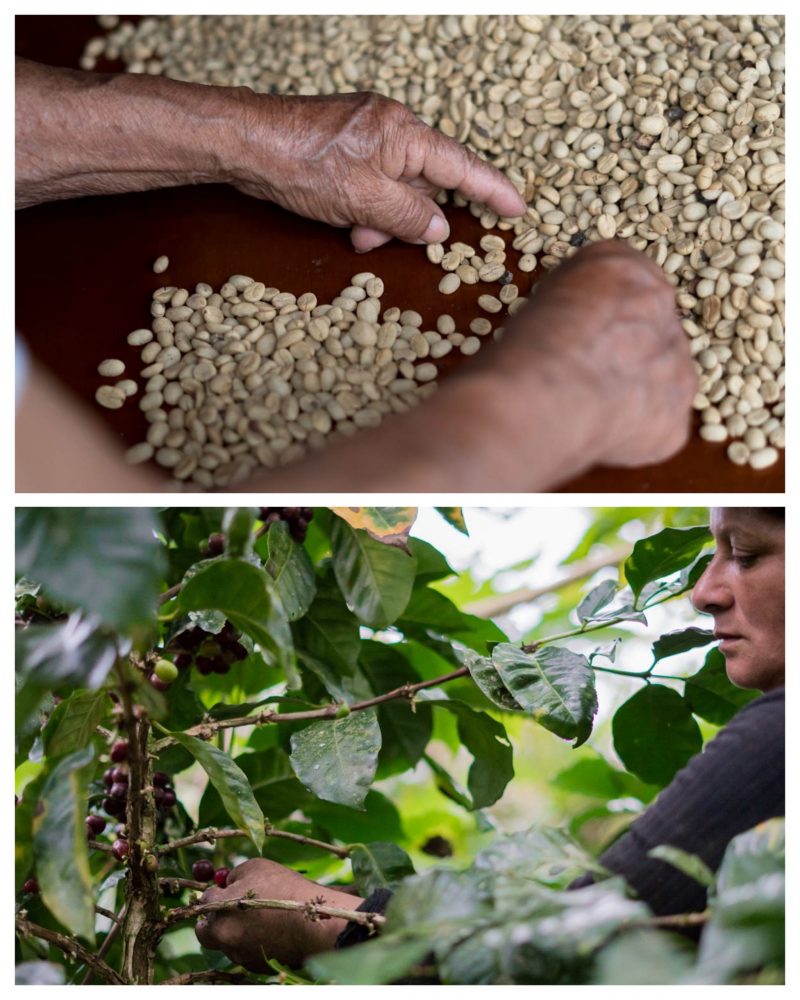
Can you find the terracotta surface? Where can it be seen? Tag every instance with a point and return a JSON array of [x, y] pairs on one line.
[[97, 255]]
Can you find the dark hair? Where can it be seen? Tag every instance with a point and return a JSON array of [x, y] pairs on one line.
[[773, 513]]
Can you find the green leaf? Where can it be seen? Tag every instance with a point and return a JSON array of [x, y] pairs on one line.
[[237, 526], [455, 517], [272, 782], [389, 525], [431, 564], [23, 823], [663, 554], [655, 734], [484, 673], [644, 958], [597, 598], [379, 821], [379, 866], [447, 785], [747, 927], [486, 739], [429, 611], [243, 593], [554, 684], [291, 570], [543, 853], [372, 963], [375, 579], [711, 695], [105, 560], [72, 724], [673, 643], [690, 864], [330, 633], [74, 652], [596, 778], [231, 783], [337, 759], [59, 844], [435, 901]]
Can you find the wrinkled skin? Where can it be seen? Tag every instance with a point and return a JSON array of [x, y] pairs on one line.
[[250, 937], [361, 160], [744, 589]]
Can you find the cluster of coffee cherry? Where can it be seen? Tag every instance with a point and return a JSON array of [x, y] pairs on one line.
[[204, 871], [297, 519], [209, 653]]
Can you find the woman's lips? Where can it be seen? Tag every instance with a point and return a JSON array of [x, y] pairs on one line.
[[728, 641]]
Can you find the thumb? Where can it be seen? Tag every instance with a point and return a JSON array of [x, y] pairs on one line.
[[404, 211]]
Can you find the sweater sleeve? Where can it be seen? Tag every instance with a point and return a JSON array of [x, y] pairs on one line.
[[736, 782]]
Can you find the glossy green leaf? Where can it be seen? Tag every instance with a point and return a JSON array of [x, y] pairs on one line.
[[663, 554], [59, 844], [711, 695], [243, 593], [553, 684], [291, 571], [389, 525], [690, 864], [376, 579], [379, 865], [232, 785], [681, 641], [105, 560], [372, 963], [597, 598], [429, 611], [493, 756], [237, 526], [546, 854], [72, 724], [435, 901], [484, 673], [596, 778], [337, 759], [455, 517], [655, 734], [272, 782], [330, 633]]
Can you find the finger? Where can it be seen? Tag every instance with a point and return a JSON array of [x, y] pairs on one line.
[[365, 238], [450, 165], [407, 213]]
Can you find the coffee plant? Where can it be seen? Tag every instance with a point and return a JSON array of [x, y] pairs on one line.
[[197, 686]]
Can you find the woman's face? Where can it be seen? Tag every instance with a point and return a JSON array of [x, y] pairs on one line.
[[743, 588]]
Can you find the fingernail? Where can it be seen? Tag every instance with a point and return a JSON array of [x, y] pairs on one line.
[[437, 231], [373, 245]]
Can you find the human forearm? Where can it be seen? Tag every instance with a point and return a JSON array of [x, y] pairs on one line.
[[90, 133]]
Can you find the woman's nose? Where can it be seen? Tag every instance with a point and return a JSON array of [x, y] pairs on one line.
[[712, 590]]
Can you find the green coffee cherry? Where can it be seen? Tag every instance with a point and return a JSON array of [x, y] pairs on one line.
[[342, 711], [166, 671]]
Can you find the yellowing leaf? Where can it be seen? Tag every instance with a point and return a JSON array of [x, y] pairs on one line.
[[389, 525]]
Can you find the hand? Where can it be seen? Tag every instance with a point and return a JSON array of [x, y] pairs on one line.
[[360, 160], [250, 937], [603, 326]]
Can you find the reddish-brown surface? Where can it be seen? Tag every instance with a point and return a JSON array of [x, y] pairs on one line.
[[94, 258]]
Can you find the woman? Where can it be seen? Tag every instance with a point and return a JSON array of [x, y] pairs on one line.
[[736, 782]]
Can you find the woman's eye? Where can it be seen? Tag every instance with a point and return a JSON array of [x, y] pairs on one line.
[[744, 559]]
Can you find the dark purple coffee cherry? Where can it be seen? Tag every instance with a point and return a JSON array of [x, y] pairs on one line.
[[119, 790], [31, 886], [119, 776], [202, 871], [158, 684], [169, 799], [120, 849], [95, 824], [119, 752], [108, 777], [114, 807], [205, 665], [182, 660], [216, 544], [160, 779]]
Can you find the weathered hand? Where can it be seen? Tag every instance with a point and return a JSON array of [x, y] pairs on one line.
[[604, 327], [360, 160], [250, 937]]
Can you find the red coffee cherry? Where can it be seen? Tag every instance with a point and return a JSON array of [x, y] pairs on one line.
[[221, 877]]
